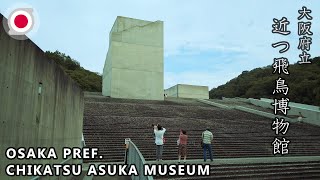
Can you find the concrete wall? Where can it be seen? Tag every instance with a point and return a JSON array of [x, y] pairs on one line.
[[236, 99], [52, 118], [215, 104], [245, 109], [311, 113], [264, 114], [260, 103], [172, 91], [134, 64], [188, 91], [297, 105]]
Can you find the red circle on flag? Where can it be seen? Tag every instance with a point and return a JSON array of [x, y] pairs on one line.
[[21, 21]]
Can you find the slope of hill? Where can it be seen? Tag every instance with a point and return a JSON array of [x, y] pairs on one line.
[[87, 80], [303, 82]]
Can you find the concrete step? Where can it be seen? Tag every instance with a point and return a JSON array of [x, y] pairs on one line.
[[286, 170], [108, 121]]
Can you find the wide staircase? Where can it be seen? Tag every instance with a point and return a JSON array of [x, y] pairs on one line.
[[108, 121], [281, 170]]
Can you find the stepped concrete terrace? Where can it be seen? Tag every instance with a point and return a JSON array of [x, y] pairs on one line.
[[246, 168], [108, 121]]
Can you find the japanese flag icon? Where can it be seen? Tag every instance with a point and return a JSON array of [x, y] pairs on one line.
[[20, 21]]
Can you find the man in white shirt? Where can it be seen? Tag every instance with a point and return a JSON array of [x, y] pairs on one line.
[[159, 140]]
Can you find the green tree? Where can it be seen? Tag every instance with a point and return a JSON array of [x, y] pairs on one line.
[[303, 81], [87, 80]]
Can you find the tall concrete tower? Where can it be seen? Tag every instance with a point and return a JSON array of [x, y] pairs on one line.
[[134, 64]]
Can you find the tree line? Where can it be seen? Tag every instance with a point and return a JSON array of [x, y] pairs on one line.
[[87, 80], [303, 82]]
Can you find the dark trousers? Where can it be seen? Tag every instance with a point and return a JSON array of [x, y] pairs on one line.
[[205, 148], [159, 152]]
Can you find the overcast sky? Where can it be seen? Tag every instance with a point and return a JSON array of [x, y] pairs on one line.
[[207, 42]]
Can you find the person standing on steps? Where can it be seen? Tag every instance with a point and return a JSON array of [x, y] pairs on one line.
[[300, 117], [182, 142], [159, 140], [207, 138]]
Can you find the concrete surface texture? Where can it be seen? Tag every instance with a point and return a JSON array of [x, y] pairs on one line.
[[229, 104], [242, 140], [188, 91], [40, 105], [134, 64], [299, 167], [310, 113]]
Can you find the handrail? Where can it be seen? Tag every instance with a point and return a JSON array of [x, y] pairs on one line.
[[136, 158], [83, 141]]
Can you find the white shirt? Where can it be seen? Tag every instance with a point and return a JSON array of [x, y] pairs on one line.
[[159, 136]]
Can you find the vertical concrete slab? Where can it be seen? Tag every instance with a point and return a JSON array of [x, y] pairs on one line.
[[134, 64], [52, 117]]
